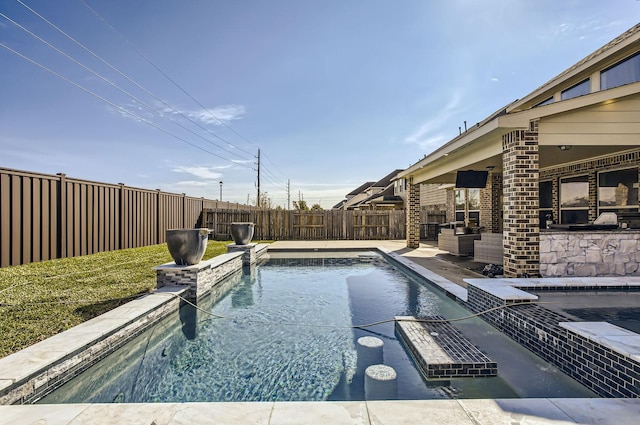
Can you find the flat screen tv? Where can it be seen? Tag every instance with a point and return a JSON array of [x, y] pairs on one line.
[[471, 179]]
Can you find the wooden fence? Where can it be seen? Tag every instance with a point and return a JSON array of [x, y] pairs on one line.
[[310, 225], [45, 217]]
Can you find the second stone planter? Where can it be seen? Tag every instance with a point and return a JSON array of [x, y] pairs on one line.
[[242, 232]]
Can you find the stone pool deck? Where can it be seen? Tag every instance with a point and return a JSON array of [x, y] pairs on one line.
[[424, 260]]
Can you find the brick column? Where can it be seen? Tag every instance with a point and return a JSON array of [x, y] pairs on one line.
[[413, 214], [490, 207], [521, 232]]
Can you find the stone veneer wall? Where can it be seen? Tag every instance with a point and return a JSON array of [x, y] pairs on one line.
[[201, 277], [413, 215], [47, 380], [521, 229], [604, 371], [451, 205], [593, 253]]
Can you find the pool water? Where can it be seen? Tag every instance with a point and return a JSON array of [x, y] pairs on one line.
[[283, 331], [619, 307]]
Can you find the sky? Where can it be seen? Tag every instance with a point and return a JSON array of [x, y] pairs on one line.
[[180, 95]]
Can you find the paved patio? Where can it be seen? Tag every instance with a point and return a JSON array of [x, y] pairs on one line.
[[471, 412]]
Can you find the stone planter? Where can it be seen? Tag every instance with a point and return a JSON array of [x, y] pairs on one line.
[[242, 232], [187, 246]]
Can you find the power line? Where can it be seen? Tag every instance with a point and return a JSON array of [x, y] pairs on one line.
[[160, 113], [157, 68], [276, 167], [132, 96], [95, 55], [111, 103], [167, 77]]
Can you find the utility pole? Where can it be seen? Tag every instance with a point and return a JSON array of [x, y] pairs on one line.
[[258, 198], [288, 194]]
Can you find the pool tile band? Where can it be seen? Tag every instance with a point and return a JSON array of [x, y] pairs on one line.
[[603, 357]]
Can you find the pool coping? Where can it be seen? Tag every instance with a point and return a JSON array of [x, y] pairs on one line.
[[617, 339], [27, 375], [482, 411]]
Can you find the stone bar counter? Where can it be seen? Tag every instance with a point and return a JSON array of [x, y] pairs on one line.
[[584, 253]]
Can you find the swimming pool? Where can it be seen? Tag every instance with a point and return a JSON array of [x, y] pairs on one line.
[[284, 331], [619, 307]]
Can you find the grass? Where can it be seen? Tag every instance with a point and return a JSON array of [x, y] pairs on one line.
[[39, 300]]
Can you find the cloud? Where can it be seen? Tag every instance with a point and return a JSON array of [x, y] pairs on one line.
[[193, 184], [494, 80], [217, 116], [430, 132], [242, 161], [200, 171]]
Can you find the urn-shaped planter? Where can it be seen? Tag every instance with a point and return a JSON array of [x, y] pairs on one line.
[[187, 246], [242, 232]]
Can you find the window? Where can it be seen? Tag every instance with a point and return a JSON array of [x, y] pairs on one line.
[[544, 102], [546, 201], [625, 72], [574, 200], [582, 88], [468, 200], [618, 191]]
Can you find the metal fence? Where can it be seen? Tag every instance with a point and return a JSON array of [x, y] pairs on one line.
[[45, 216]]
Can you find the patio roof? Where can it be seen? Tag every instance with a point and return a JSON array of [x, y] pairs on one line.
[[567, 122]]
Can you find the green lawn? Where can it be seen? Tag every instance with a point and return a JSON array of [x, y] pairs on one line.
[[38, 300]]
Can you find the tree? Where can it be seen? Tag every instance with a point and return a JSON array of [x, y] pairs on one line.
[[265, 201], [316, 207], [300, 205]]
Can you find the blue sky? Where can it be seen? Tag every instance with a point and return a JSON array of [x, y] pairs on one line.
[[180, 94]]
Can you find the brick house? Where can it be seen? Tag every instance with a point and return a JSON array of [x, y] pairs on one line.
[[564, 154]]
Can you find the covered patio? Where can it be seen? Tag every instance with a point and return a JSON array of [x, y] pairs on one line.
[[563, 154]]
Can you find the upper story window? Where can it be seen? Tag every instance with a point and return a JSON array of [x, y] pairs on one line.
[[582, 88], [544, 102], [625, 72]]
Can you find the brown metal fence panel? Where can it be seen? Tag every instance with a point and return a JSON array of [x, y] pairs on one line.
[[170, 214], [192, 211], [27, 218]]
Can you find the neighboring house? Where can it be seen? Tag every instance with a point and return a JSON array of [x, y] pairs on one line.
[[387, 192], [355, 196], [564, 153]]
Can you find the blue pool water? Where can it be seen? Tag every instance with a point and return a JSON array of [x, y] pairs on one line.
[[619, 307], [284, 331]]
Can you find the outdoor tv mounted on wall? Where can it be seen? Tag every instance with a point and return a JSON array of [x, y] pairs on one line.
[[471, 179]]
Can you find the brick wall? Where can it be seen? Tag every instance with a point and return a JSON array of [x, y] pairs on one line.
[[521, 230], [604, 371], [490, 206], [413, 214], [591, 168]]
